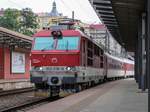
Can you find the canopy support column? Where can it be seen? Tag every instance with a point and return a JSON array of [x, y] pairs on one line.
[[148, 52]]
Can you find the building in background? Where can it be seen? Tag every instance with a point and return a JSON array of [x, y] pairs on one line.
[[101, 35], [2, 12], [52, 18], [96, 32]]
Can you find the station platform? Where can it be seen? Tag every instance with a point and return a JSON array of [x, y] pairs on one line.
[[115, 96], [10, 84]]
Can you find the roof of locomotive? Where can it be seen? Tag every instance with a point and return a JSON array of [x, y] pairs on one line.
[[47, 33]]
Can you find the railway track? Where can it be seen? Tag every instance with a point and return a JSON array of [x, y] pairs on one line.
[[11, 99], [32, 104], [21, 100], [16, 91], [24, 105]]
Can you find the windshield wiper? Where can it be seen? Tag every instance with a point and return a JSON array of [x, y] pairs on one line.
[[67, 45], [47, 47]]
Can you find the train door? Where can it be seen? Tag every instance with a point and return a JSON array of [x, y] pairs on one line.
[[102, 64], [1, 63], [83, 52], [101, 58], [125, 69], [105, 65]]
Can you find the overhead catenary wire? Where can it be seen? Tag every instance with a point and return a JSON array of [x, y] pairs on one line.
[[70, 8], [18, 5], [82, 7]]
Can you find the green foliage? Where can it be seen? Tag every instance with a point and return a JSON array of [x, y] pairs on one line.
[[10, 19], [29, 21], [23, 21]]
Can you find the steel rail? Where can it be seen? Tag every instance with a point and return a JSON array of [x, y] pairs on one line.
[[16, 91]]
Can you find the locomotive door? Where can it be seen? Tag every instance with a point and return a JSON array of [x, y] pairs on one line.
[[83, 53], [1, 63]]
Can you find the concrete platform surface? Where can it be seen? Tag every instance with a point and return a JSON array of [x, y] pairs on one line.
[[9, 84], [116, 96]]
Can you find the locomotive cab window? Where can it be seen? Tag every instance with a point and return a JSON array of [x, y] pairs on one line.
[[43, 43], [49, 43], [68, 43]]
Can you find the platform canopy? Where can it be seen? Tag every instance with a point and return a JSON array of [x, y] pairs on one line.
[[14, 39], [121, 18]]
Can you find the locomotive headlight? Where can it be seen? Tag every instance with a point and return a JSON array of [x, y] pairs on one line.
[[41, 68], [68, 68], [71, 68]]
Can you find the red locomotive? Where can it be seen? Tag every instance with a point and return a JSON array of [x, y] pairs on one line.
[[68, 59]]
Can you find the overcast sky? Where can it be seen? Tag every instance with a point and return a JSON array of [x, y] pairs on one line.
[[82, 8]]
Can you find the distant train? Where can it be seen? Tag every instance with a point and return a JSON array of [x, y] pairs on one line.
[[70, 60]]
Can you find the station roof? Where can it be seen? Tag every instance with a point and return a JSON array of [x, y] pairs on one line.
[[12, 39], [121, 18]]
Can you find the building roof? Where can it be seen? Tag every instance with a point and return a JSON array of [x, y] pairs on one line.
[[12, 38], [16, 34], [1, 12]]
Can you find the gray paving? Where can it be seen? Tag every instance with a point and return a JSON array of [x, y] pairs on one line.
[[125, 97], [116, 96]]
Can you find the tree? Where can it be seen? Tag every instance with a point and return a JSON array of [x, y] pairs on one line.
[[29, 21], [23, 21], [10, 19]]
